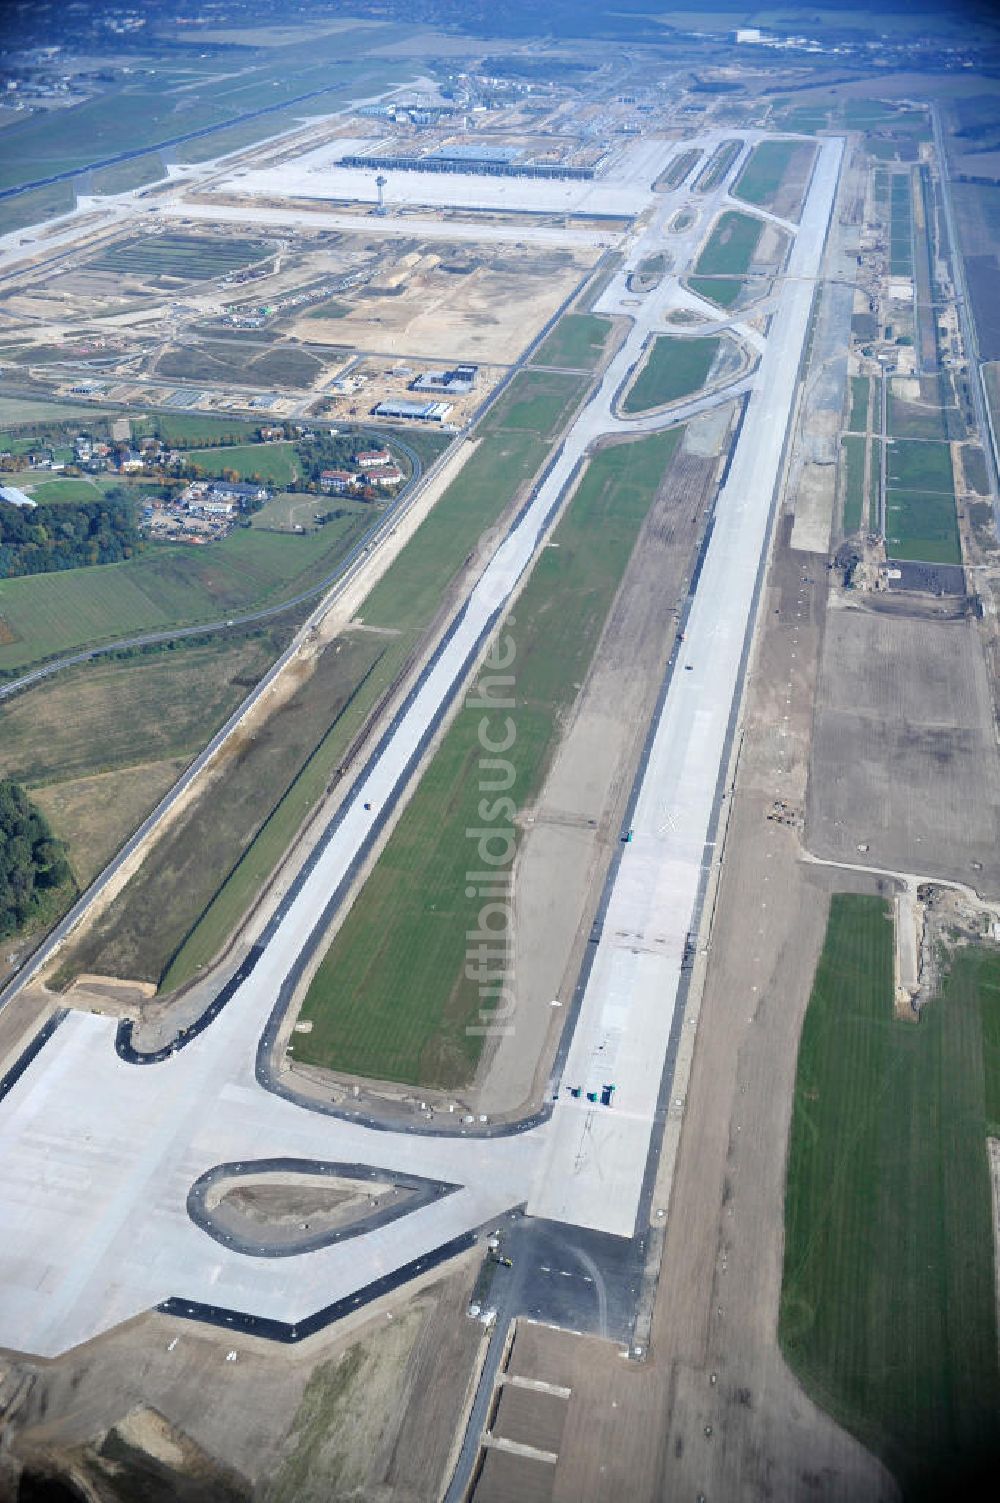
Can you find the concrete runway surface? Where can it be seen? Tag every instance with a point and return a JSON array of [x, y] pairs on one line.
[[97, 1155]]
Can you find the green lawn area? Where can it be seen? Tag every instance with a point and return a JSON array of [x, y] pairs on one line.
[[858, 420], [721, 290], [48, 614], [273, 463], [673, 368], [390, 999], [888, 1310], [537, 401], [64, 490], [577, 341], [731, 246], [765, 171], [854, 482]]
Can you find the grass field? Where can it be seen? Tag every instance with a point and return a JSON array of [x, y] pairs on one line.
[[36, 205], [118, 712], [900, 226], [123, 176], [888, 1309], [721, 290], [537, 402], [182, 430], [52, 491], [390, 999], [858, 419], [925, 466], [274, 464], [47, 614], [765, 171], [95, 815], [199, 908], [853, 448], [673, 368], [730, 248], [922, 525], [974, 466], [145, 926], [194, 257], [577, 341]]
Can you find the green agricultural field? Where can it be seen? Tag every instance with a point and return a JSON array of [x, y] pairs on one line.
[[577, 341], [731, 246], [858, 420], [536, 401], [916, 419], [51, 491], [924, 466], [44, 615], [674, 367], [888, 1313], [390, 999], [274, 464], [721, 290], [922, 525], [853, 485], [195, 257]]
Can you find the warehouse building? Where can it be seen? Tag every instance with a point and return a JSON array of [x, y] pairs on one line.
[[427, 412]]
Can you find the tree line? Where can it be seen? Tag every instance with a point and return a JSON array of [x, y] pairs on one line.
[[33, 863]]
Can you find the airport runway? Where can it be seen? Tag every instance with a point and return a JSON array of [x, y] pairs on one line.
[[97, 1156]]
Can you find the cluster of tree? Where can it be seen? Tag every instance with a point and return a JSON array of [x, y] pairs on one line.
[[328, 451], [67, 535], [33, 863]]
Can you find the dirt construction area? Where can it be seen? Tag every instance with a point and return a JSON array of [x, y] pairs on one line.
[[475, 303], [367, 1410], [905, 748]]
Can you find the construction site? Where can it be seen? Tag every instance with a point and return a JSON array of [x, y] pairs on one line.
[[412, 1103]]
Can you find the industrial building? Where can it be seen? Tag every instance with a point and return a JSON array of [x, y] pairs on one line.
[[428, 412], [457, 382], [488, 161]]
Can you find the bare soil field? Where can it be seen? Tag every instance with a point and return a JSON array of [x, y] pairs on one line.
[[366, 1411], [905, 748], [471, 304]]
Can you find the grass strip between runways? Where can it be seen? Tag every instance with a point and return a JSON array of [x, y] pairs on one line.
[[390, 999], [888, 1304]]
